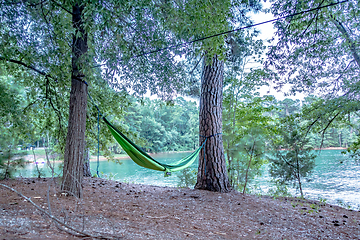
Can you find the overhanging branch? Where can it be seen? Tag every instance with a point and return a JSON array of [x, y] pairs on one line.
[[326, 127], [28, 66]]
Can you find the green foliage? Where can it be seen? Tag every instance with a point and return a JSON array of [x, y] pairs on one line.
[[11, 126], [36, 51], [247, 124], [187, 178], [318, 53], [10, 160], [354, 150], [279, 189], [312, 50], [343, 204], [189, 20], [246, 120], [291, 160], [109, 176], [159, 127]]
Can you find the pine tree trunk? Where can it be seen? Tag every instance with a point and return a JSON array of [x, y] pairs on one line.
[[212, 173], [75, 141]]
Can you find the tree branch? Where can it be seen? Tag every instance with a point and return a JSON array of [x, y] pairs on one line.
[[59, 5], [324, 130], [191, 72], [57, 111], [311, 125], [30, 104], [311, 21], [35, 4], [346, 35], [287, 162], [27, 66], [77, 232]]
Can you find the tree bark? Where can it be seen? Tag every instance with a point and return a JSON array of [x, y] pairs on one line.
[[212, 173], [87, 172], [75, 141]]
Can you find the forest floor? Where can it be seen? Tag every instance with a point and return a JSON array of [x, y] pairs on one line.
[[116, 210]]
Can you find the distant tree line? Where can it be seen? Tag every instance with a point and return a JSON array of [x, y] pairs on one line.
[[162, 127], [158, 126]]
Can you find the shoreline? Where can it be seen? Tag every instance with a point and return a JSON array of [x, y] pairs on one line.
[[153, 212], [93, 158]]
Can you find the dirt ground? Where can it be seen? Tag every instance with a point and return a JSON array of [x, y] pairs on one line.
[[118, 210]]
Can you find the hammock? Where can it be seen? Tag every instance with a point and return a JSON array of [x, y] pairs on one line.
[[144, 160]]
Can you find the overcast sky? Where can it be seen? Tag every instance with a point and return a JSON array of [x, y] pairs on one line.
[[267, 32]]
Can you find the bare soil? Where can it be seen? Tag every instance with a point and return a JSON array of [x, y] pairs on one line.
[[132, 211]]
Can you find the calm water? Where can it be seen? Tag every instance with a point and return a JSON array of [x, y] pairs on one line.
[[332, 180]]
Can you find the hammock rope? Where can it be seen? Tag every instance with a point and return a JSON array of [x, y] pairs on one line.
[[143, 159], [98, 132], [139, 156]]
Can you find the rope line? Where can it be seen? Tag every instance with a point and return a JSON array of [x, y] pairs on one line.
[[98, 133], [210, 135], [231, 31], [98, 143]]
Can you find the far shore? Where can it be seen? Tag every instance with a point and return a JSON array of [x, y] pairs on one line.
[[93, 158]]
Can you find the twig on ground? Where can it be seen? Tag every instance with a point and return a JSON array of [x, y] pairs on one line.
[[75, 231]]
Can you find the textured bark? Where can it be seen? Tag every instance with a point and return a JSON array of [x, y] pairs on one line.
[[212, 173], [75, 141], [87, 172]]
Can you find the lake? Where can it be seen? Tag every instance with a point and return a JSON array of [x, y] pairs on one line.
[[335, 177]]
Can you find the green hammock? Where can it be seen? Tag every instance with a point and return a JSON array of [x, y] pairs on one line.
[[143, 159]]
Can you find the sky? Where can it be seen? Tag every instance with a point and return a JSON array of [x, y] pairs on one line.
[[267, 31]]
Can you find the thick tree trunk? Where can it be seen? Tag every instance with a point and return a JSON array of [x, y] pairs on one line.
[[75, 141], [212, 173]]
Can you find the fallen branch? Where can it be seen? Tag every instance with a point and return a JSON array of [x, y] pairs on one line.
[[56, 220]]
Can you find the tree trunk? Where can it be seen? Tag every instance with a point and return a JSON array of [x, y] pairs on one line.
[[75, 141], [230, 166], [87, 172], [212, 174], [298, 176], [248, 167]]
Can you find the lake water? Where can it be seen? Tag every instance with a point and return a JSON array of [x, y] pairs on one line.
[[335, 177]]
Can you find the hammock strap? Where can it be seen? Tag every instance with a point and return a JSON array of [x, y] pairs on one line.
[[98, 144]]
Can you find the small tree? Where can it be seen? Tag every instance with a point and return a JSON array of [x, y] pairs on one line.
[[10, 160], [292, 160], [11, 124], [247, 126]]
